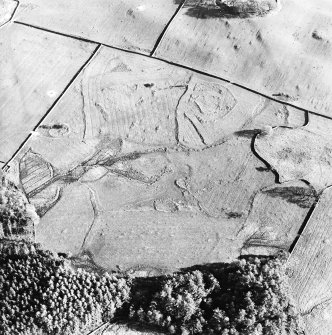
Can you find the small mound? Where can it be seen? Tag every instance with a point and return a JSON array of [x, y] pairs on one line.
[[55, 130]]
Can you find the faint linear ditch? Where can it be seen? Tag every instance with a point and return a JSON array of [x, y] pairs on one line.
[[83, 112], [176, 115], [195, 127], [322, 304]]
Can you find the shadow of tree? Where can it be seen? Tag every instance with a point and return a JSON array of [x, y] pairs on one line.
[[228, 10], [222, 11]]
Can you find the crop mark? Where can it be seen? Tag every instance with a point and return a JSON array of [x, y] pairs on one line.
[[133, 174], [176, 121], [42, 210], [102, 111], [95, 210], [196, 128], [251, 206], [34, 171], [256, 243], [323, 304], [285, 96], [32, 163], [83, 113], [215, 245]]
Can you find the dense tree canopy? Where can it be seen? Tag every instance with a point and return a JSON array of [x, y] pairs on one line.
[[248, 297], [40, 293], [17, 216]]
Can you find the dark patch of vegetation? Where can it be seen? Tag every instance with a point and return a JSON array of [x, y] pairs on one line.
[[149, 84], [248, 133], [54, 126], [234, 215], [263, 169], [316, 35], [301, 196]]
